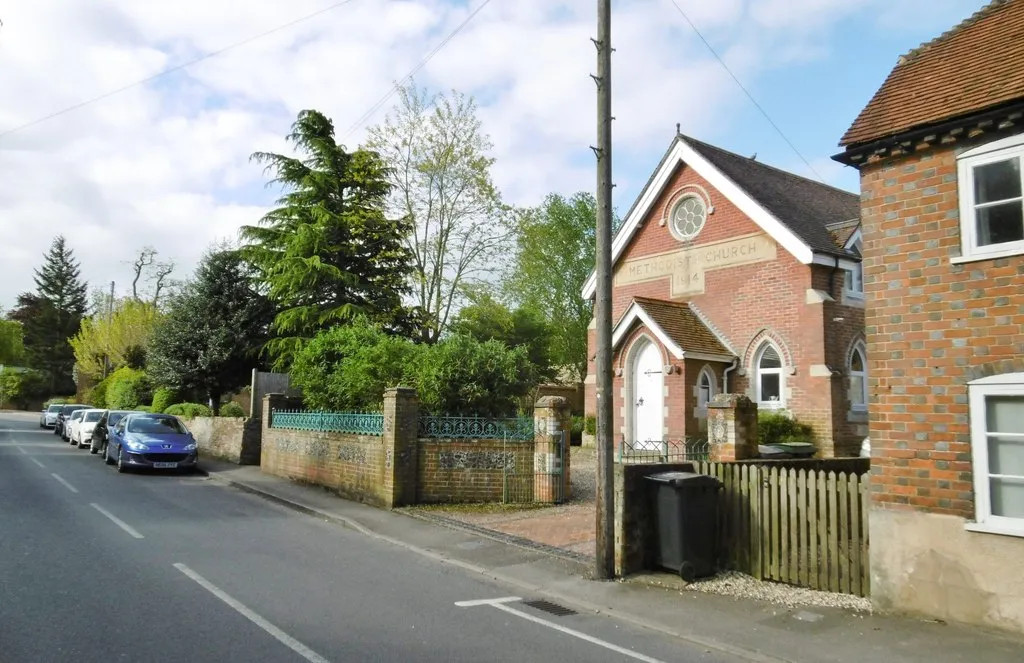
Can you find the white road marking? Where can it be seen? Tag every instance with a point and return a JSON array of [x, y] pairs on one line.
[[63, 481], [473, 604], [285, 639], [20, 449], [500, 604], [36, 461], [117, 521]]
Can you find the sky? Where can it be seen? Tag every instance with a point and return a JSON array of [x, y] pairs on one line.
[[165, 163]]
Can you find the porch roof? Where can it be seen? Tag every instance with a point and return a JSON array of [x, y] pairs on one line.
[[677, 326]]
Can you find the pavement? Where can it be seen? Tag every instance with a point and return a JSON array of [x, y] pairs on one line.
[[747, 629]]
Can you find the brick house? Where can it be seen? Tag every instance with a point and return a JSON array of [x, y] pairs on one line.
[[940, 150], [734, 276]]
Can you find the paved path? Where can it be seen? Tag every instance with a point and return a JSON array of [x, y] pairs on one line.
[[98, 567], [571, 527]]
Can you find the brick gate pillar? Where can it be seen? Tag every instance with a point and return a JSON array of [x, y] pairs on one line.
[[732, 428], [401, 428], [552, 423]]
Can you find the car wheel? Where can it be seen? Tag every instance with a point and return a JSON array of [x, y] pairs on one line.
[[106, 457], [121, 467]]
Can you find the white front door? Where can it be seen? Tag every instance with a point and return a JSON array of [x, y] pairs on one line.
[[649, 394]]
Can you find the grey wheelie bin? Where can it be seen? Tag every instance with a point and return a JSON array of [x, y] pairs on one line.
[[686, 506]]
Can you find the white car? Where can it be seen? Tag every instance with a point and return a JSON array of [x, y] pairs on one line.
[[71, 424], [48, 419], [81, 430]]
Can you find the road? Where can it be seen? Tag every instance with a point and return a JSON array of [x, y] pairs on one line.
[[98, 567]]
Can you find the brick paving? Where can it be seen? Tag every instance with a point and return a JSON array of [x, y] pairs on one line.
[[570, 526]]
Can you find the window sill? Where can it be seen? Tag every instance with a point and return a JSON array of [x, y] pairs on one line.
[[771, 405], [983, 528], [851, 298], [979, 257]]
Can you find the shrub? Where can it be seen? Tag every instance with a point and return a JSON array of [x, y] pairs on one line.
[[348, 367], [462, 376], [21, 388], [776, 427], [127, 389], [163, 398], [97, 396], [576, 431], [143, 408], [590, 424], [188, 410], [231, 409]]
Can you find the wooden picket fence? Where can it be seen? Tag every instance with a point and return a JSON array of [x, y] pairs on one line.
[[798, 526]]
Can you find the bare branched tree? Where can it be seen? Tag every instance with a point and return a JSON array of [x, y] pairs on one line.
[[440, 171], [146, 257], [159, 278]]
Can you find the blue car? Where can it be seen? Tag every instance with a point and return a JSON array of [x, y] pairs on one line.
[[156, 441]]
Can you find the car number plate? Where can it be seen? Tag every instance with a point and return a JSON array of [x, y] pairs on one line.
[[165, 466]]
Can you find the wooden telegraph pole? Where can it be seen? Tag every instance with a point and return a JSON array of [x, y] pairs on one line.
[[603, 304]]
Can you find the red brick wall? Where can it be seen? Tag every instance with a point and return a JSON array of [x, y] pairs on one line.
[[474, 470], [743, 301], [932, 326], [351, 465]]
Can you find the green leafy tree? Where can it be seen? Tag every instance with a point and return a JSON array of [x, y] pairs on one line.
[[440, 170], [12, 346], [123, 338], [349, 366], [328, 253], [556, 248], [52, 315], [487, 319], [215, 325]]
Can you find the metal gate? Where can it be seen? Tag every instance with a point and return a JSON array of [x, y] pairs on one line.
[[544, 482]]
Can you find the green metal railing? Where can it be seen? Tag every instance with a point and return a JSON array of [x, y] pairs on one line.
[[360, 423], [690, 449], [467, 428]]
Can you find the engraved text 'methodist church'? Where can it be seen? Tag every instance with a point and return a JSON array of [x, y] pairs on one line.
[[733, 276]]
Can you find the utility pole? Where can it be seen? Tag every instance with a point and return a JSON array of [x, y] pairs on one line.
[[110, 314], [603, 304]]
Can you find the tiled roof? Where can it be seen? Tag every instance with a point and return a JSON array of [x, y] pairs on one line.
[[682, 325], [805, 206], [977, 65]]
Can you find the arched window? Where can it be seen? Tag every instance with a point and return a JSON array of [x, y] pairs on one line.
[[770, 382], [706, 387], [858, 378]]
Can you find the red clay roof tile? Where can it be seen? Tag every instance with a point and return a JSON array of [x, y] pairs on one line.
[[977, 65]]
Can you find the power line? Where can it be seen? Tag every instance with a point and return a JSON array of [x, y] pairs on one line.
[[747, 92], [176, 68], [422, 63]]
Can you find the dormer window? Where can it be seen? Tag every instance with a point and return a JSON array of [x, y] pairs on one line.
[[853, 279]]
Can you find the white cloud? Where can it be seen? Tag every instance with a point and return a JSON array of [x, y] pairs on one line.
[[167, 163]]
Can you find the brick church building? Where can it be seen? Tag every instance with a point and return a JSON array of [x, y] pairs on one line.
[[732, 276]]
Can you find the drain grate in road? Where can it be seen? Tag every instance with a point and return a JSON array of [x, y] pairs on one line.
[[549, 607]]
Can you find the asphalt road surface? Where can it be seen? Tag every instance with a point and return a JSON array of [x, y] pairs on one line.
[[97, 567]]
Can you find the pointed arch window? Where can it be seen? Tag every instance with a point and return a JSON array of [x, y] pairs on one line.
[[858, 378], [770, 379], [706, 388]]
